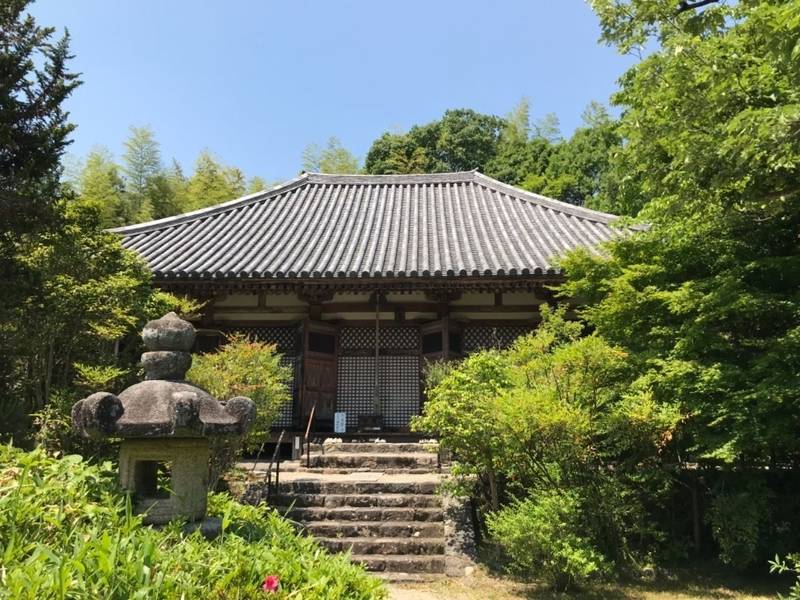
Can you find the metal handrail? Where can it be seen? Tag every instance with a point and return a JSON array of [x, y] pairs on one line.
[[308, 430], [276, 458]]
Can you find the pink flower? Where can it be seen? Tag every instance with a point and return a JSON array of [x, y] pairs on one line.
[[271, 583]]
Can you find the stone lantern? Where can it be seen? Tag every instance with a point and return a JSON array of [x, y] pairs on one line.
[[165, 424]]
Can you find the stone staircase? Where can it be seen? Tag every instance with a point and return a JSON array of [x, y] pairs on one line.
[[375, 500]]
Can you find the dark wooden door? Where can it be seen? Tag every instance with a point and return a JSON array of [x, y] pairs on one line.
[[319, 375]]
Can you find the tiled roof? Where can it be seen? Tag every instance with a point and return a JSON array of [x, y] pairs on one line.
[[336, 226]]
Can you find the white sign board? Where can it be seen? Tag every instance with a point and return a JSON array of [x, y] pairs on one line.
[[339, 422]]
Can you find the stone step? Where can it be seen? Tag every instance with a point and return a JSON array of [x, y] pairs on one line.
[[371, 545], [399, 577], [301, 468], [307, 515], [400, 529], [375, 461], [372, 448], [359, 500], [401, 563], [316, 486]]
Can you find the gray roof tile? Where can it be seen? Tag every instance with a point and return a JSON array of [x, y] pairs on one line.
[[324, 226]]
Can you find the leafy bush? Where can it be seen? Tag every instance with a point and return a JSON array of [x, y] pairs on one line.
[[736, 517], [461, 411], [544, 535], [67, 532], [242, 367], [556, 414], [245, 367], [791, 564]]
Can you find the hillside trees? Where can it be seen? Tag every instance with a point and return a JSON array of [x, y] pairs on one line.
[[461, 140], [511, 149]]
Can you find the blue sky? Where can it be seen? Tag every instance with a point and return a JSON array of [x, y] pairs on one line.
[[256, 81]]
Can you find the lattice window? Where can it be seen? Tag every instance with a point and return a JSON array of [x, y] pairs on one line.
[[399, 385], [392, 338], [286, 415], [477, 337], [284, 337]]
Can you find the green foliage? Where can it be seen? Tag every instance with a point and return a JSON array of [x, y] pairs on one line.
[[461, 140], [82, 293], [66, 531], [737, 517], [556, 413], [33, 125], [245, 367], [706, 300], [102, 188], [212, 183], [544, 536], [142, 165], [791, 564], [242, 367], [461, 410], [578, 169], [510, 150], [333, 158]]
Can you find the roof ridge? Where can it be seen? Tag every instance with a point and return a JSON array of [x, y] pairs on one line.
[[559, 205], [363, 178], [211, 210]]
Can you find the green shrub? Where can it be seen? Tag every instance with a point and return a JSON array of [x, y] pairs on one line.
[[245, 367], [556, 414], [460, 410], [67, 532], [242, 367], [791, 564], [543, 536], [737, 516]]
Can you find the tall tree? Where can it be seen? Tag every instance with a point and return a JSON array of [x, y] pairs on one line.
[[141, 165], [519, 157], [578, 168], [101, 186], [460, 141], [212, 183], [706, 299], [256, 184], [34, 127], [333, 158]]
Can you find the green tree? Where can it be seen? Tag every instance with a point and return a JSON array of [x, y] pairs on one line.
[[578, 168], [519, 157], [333, 158], [243, 367], [212, 183], [34, 130], [554, 420], [705, 300], [257, 184], [548, 128], [141, 165], [101, 186], [461, 140]]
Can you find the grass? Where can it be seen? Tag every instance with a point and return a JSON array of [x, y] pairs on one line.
[[684, 585]]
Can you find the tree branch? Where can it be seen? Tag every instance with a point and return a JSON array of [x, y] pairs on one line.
[[685, 5]]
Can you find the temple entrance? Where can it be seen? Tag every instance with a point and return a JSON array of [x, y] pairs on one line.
[[318, 394]]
